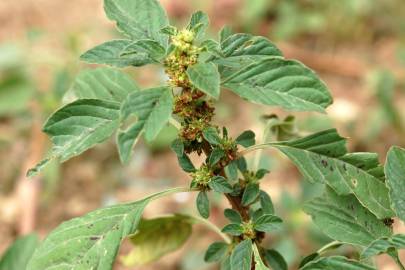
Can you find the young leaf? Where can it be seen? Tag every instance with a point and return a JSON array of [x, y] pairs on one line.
[[261, 173], [336, 262], [231, 171], [157, 237], [211, 135], [127, 139], [198, 23], [267, 223], [91, 241], [102, 83], [250, 194], [203, 204], [395, 171], [212, 47], [224, 33], [311, 257], [344, 219], [215, 156], [220, 184], [185, 163], [205, 77], [233, 215], [279, 82], [79, 126], [138, 19], [110, 53], [322, 157], [19, 253], [169, 30], [384, 245], [178, 147], [216, 251], [241, 258], [145, 46], [275, 260], [152, 106], [246, 139], [234, 229], [259, 264]]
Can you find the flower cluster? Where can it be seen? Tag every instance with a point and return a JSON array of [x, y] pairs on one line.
[[185, 54]]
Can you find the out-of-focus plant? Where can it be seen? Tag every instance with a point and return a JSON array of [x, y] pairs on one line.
[[360, 196]]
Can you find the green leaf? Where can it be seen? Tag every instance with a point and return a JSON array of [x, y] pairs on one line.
[[19, 253], [220, 184], [224, 33], [127, 139], [322, 157], [233, 216], [178, 147], [241, 258], [205, 77], [231, 171], [261, 173], [198, 23], [246, 139], [216, 156], [275, 260], [241, 50], [259, 264], [185, 163], [311, 257], [279, 82], [102, 83], [91, 241], [111, 53], [336, 262], [267, 223], [216, 251], [151, 106], [395, 171], [169, 30], [138, 19], [234, 229], [212, 47], [266, 203], [226, 263], [145, 46], [384, 245], [203, 204], [250, 194], [344, 219], [156, 238], [211, 135], [79, 126]]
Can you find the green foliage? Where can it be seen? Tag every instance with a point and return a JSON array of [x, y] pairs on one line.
[[92, 240], [384, 245], [322, 157], [395, 171], [19, 253], [205, 77], [241, 258], [336, 262], [343, 218], [156, 237], [354, 209], [280, 82]]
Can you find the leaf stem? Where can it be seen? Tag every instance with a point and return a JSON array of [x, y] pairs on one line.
[[170, 191], [331, 245], [175, 123], [212, 227], [253, 148]]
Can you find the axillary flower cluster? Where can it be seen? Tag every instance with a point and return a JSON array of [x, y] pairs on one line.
[[191, 105]]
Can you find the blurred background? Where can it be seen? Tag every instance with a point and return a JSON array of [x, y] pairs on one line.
[[356, 46]]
